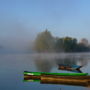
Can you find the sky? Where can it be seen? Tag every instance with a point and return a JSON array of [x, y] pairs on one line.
[[22, 20]]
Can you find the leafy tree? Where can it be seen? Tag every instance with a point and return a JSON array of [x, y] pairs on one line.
[[69, 44], [59, 45], [84, 41], [82, 48], [74, 45], [44, 42]]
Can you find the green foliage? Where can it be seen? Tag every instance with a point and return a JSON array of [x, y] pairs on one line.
[[45, 42], [66, 44], [81, 47], [59, 45], [70, 44]]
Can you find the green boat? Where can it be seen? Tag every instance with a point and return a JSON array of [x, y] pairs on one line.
[[60, 74]]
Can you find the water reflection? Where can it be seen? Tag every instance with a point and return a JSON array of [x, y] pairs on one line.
[[47, 64], [12, 67], [50, 64], [43, 65]]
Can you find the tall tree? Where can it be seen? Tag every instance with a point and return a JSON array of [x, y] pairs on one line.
[[70, 44], [44, 42], [59, 45], [84, 41]]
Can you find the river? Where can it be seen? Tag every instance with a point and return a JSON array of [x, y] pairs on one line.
[[12, 67]]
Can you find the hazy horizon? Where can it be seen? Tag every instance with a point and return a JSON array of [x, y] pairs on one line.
[[21, 21]]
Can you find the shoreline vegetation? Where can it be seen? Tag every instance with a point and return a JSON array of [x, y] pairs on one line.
[[46, 43]]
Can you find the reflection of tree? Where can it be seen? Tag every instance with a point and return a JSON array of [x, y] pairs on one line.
[[46, 64], [43, 65], [82, 62], [66, 61], [72, 60], [71, 64]]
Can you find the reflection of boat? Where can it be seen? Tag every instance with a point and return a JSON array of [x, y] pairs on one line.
[[73, 68], [57, 79]]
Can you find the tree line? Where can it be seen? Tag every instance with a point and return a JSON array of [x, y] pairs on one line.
[[45, 42]]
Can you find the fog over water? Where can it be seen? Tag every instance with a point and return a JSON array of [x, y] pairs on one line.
[[12, 67], [20, 23], [15, 36]]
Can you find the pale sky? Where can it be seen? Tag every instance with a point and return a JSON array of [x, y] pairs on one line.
[[21, 20]]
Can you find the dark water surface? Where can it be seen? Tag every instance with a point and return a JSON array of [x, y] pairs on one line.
[[12, 67]]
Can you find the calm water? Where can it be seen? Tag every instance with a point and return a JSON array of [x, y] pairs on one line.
[[12, 68]]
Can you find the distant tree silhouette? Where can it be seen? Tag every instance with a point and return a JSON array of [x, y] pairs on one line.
[[45, 42]]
